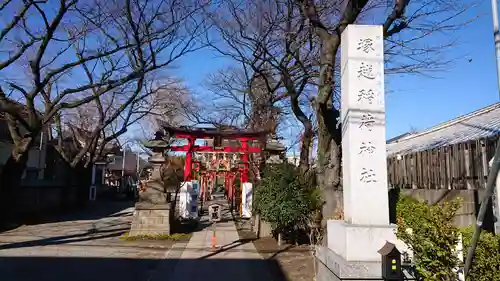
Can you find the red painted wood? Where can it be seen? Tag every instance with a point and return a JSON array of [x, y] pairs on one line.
[[198, 148], [205, 136], [244, 158], [189, 160], [200, 133]]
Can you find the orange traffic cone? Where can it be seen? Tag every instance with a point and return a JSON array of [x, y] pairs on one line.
[[214, 241]]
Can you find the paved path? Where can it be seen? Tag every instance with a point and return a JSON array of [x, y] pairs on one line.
[[235, 260], [83, 246], [86, 247]]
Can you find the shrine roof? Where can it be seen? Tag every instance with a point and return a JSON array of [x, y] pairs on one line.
[[226, 132]]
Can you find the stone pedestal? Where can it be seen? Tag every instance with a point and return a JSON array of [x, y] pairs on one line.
[[154, 193], [352, 251], [152, 214], [332, 267], [151, 219], [354, 242]]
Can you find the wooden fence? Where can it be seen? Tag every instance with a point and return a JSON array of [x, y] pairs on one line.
[[458, 166]]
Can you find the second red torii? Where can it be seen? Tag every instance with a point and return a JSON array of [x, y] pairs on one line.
[[202, 148]]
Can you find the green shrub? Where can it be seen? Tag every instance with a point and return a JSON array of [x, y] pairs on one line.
[[486, 264], [433, 238], [284, 199]]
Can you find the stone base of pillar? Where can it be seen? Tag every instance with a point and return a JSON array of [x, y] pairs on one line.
[[352, 251], [151, 219]]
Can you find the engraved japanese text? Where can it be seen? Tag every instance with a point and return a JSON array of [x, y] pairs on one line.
[[366, 70], [367, 95], [368, 176], [367, 121], [366, 148], [366, 45]]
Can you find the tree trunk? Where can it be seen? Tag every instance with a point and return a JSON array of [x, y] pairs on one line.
[[10, 178], [329, 134], [329, 160], [305, 146]]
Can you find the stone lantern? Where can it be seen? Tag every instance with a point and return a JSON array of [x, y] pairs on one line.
[[274, 150], [152, 212], [158, 146]]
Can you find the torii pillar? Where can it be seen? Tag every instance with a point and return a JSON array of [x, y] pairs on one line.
[[246, 187]]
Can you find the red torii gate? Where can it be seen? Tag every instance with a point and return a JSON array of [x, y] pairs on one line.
[[211, 175], [243, 136]]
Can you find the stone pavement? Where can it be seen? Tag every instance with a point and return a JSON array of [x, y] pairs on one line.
[[85, 246], [234, 260]]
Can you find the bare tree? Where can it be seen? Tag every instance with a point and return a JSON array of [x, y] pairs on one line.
[[109, 116], [300, 39], [257, 82], [406, 28], [173, 104], [76, 52], [270, 39], [245, 102], [230, 104]]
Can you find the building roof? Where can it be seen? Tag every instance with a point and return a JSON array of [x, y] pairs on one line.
[[226, 132], [396, 138], [482, 123]]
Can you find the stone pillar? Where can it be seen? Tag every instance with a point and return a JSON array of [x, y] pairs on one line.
[[363, 126], [353, 242]]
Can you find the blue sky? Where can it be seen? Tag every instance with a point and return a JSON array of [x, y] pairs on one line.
[[414, 101]]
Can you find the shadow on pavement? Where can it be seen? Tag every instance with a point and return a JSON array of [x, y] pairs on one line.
[[228, 247], [91, 211], [105, 269], [58, 240]]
